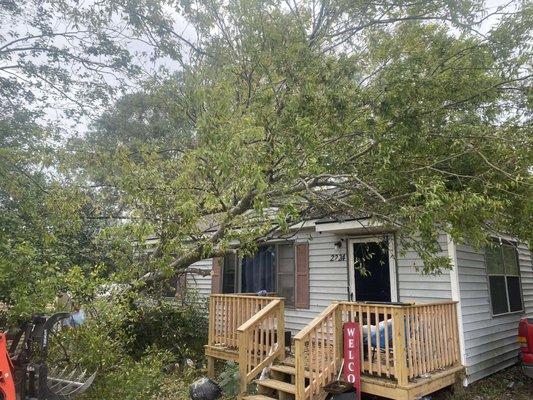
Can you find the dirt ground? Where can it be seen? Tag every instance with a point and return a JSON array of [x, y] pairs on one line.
[[510, 384]]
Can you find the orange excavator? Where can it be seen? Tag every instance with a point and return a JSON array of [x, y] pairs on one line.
[[24, 372]]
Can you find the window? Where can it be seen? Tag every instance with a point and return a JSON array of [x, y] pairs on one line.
[[259, 271], [504, 278], [286, 277], [271, 268], [229, 275]]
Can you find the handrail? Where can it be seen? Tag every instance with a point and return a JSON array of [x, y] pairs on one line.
[[405, 342], [393, 305], [244, 296], [261, 340], [318, 352], [259, 316], [229, 311], [305, 331]]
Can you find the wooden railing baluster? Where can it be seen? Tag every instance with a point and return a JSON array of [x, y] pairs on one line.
[[261, 340], [378, 340], [387, 348]]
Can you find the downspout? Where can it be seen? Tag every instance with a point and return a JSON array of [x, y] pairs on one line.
[[456, 296]]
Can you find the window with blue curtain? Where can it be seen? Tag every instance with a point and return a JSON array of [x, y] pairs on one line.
[[271, 268], [259, 271]]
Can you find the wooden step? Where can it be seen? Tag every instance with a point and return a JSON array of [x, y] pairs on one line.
[[277, 385], [289, 361], [287, 369], [257, 397]]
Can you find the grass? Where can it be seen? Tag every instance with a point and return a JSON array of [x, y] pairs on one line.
[[509, 384]]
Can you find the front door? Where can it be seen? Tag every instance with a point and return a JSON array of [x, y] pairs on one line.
[[372, 272]]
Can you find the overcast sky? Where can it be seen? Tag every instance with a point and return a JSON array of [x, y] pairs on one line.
[[181, 27]]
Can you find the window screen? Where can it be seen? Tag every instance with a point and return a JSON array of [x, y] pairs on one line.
[[504, 278], [494, 262], [286, 273]]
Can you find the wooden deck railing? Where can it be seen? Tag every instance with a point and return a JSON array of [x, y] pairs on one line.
[[380, 324], [229, 311], [432, 338], [399, 342], [261, 341], [317, 352]]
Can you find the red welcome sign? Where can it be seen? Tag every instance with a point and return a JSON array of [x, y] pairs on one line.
[[352, 355]]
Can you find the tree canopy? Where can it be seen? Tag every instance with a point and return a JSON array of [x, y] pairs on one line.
[[254, 116], [415, 114], [60, 63]]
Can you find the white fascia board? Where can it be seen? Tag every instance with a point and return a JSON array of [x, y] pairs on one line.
[[366, 225]]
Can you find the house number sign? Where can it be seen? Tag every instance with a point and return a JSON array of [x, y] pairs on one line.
[[337, 257], [352, 356]]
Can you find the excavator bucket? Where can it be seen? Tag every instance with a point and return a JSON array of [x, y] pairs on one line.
[[30, 354], [66, 385], [68, 382]]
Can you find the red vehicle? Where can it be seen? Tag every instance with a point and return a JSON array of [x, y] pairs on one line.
[[525, 338]]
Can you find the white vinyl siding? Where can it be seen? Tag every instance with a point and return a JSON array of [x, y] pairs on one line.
[[490, 342], [328, 280], [526, 276], [201, 283], [415, 287]]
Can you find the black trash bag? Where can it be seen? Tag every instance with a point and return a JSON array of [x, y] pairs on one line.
[[204, 389]]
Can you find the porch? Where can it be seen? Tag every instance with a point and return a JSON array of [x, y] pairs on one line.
[[407, 350]]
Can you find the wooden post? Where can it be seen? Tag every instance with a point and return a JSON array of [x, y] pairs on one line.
[[300, 369], [211, 367], [337, 321], [455, 336], [211, 336], [400, 357], [212, 321], [243, 361], [281, 330]]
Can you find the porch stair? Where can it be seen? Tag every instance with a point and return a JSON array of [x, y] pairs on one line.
[[280, 385], [287, 368], [277, 385]]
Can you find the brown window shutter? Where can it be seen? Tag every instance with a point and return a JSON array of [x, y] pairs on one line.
[[216, 275], [302, 275]]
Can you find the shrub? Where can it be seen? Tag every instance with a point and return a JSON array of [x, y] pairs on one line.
[[180, 328], [229, 379], [129, 341]]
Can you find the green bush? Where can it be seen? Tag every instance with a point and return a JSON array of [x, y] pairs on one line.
[[180, 328], [229, 379], [130, 341], [130, 380]]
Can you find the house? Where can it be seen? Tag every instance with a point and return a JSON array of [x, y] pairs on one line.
[[491, 289]]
